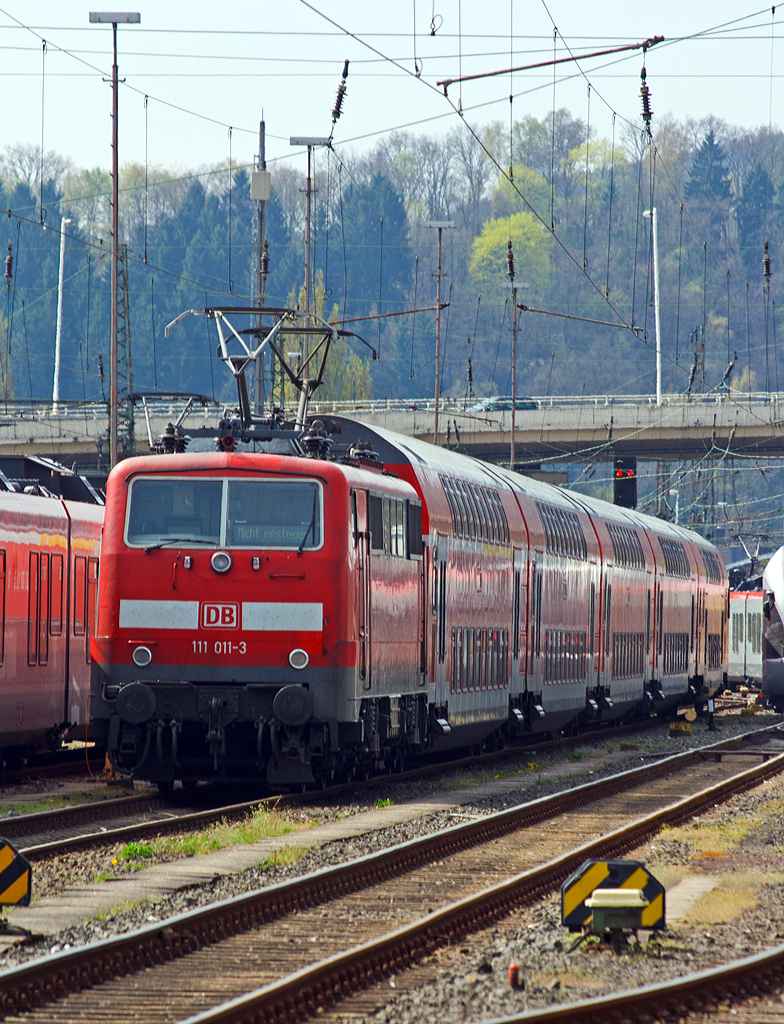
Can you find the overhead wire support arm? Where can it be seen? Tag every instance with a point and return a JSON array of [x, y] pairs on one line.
[[381, 316], [446, 82], [584, 319]]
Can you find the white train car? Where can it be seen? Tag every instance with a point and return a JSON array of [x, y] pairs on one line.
[[744, 662], [773, 630]]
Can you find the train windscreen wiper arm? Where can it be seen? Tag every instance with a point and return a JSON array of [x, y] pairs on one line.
[[173, 540]]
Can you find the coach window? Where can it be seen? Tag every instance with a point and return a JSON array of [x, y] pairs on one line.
[[32, 610], [479, 512], [92, 595], [398, 535], [385, 513], [460, 518], [376, 522], [2, 606], [56, 600], [487, 519], [414, 524], [80, 594], [43, 598], [451, 502]]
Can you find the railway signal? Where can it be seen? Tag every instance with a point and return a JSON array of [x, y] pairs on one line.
[[625, 482]]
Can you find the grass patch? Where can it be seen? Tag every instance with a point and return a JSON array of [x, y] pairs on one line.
[[56, 801], [120, 908], [575, 755], [136, 851], [262, 823], [734, 894], [288, 854], [384, 802]]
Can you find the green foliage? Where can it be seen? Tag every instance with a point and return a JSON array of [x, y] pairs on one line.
[[136, 851], [384, 802], [531, 245]]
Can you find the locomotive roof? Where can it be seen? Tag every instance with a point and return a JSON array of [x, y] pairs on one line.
[[394, 448]]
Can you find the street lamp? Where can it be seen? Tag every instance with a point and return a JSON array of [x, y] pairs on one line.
[[651, 214], [114, 18]]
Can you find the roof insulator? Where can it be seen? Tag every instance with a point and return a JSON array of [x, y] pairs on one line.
[[645, 93]]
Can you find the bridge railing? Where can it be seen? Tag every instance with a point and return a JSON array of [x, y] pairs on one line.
[[172, 408]]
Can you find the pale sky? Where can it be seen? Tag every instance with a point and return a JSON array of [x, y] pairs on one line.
[[206, 67]]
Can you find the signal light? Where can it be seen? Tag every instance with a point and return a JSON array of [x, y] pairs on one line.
[[625, 482]]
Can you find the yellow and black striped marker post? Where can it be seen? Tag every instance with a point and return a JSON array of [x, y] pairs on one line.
[[610, 874], [16, 877]]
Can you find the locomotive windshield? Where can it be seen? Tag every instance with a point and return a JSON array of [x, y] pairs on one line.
[[258, 513]]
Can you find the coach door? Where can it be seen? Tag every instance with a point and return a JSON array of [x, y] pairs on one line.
[[519, 624], [362, 544]]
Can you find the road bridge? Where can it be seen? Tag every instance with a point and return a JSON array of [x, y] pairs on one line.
[[555, 429]]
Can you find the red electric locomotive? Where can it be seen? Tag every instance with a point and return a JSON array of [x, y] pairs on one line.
[[50, 527]]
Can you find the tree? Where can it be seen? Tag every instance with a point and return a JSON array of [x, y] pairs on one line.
[[708, 187], [531, 245], [753, 214]]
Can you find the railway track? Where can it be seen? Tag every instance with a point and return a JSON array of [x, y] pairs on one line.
[[747, 991], [287, 942], [142, 815]]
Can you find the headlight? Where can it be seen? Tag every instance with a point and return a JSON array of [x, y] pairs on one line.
[[142, 656], [298, 658], [220, 561]]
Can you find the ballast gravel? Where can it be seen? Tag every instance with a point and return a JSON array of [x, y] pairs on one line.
[[470, 982]]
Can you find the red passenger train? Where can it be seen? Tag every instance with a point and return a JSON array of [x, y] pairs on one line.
[[50, 537], [280, 614]]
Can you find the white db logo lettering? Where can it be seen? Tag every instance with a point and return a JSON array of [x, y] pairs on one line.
[[220, 616]]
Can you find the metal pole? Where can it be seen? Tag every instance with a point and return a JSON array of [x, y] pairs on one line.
[[115, 256], [58, 336], [514, 378], [438, 340], [655, 226], [307, 236], [655, 233], [261, 217]]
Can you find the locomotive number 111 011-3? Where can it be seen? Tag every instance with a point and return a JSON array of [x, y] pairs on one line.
[[219, 647]]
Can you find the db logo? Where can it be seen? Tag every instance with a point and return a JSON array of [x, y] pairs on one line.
[[220, 616]]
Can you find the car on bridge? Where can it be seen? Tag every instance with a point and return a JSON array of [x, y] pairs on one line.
[[502, 403]]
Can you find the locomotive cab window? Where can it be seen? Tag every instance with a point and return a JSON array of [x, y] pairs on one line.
[[265, 512], [274, 514], [174, 508]]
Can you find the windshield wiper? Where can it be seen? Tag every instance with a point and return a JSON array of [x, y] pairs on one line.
[[173, 540], [311, 525]]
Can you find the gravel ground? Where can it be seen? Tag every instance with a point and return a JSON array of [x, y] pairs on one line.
[[534, 938], [471, 983]]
